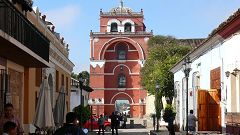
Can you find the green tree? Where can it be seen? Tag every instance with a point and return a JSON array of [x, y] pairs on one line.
[[83, 113], [73, 75], [84, 75], [164, 52]]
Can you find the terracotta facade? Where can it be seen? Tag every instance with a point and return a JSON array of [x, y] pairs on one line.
[[118, 52]]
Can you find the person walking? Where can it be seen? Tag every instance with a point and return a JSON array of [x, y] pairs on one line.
[[9, 116], [125, 121], [101, 124], [171, 126], [71, 126], [192, 122], [114, 122]]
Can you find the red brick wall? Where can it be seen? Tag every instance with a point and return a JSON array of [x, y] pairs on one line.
[[104, 80]]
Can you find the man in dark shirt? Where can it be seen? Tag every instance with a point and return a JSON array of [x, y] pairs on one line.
[[70, 128], [114, 122]]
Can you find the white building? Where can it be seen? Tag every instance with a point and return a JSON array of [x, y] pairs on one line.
[[75, 98], [212, 95]]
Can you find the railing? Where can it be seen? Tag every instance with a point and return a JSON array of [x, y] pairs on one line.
[[121, 14], [17, 26], [123, 33]]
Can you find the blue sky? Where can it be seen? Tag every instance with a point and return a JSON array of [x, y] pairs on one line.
[[180, 18]]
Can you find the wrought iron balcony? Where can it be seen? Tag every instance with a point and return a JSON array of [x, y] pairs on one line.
[[17, 26]]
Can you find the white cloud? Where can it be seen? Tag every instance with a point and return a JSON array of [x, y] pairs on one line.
[[64, 16]]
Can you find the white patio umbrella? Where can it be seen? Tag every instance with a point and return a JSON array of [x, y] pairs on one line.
[[44, 115], [59, 109]]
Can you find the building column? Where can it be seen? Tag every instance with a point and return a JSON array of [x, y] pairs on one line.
[[232, 105], [238, 93]]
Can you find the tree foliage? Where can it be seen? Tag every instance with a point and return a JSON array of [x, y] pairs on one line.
[[164, 52], [83, 113], [74, 76], [84, 75]]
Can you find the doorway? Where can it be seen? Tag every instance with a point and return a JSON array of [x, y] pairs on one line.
[[122, 106], [209, 111]]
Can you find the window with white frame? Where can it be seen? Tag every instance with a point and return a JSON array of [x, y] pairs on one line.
[[114, 27], [127, 27]]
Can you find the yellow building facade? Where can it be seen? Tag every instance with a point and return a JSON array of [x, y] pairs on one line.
[[26, 63]]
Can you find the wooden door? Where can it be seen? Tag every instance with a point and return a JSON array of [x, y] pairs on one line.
[[209, 112], [214, 111], [202, 109]]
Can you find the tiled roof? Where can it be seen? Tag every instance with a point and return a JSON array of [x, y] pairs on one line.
[[225, 23], [192, 42]]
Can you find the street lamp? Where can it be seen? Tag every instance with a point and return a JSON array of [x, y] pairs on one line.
[[186, 69], [156, 92], [81, 81]]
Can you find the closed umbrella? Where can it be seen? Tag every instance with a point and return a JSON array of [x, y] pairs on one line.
[[59, 109], [44, 115]]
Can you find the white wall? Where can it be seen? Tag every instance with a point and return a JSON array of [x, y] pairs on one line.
[[150, 105], [75, 98], [202, 64], [225, 55]]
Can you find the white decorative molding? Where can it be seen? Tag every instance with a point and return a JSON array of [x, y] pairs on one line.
[[131, 22], [132, 74], [58, 58], [119, 94], [121, 89], [121, 61], [124, 66], [113, 21], [146, 39], [141, 62], [95, 63], [96, 40], [142, 101], [106, 44]]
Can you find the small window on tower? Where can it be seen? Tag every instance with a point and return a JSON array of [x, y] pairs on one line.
[[121, 81], [114, 27], [121, 54], [128, 27]]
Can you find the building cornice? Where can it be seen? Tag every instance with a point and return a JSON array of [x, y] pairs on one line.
[[121, 34], [59, 59]]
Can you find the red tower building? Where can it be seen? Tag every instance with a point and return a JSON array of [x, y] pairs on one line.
[[118, 52]]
